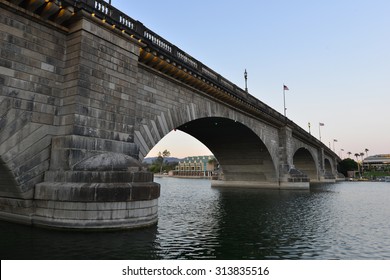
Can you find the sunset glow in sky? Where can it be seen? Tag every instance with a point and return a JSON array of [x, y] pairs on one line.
[[333, 55]]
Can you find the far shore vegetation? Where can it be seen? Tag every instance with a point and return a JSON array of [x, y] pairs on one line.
[[161, 164], [348, 167]]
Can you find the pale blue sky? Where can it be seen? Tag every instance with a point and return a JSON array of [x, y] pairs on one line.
[[334, 56]]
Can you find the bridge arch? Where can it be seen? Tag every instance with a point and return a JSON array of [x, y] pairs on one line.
[[304, 161], [242, 155]]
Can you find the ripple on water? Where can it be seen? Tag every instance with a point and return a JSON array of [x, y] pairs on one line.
[[336, 221]]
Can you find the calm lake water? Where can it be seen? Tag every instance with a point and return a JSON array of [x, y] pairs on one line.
[[349, 220]]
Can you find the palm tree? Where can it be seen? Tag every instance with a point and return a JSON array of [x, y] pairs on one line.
[[349, 154], [366, 150], [356, 155], [362, 157], [357, 160]]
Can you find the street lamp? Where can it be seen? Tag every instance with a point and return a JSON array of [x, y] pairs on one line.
[[246, 78], [334, 140], [284, 98]]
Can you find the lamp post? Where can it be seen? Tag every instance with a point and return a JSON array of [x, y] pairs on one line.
[[334, 141], [284, 98], [308, 124], [246, 78]]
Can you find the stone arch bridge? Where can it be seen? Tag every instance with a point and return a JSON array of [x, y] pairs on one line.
[[86, 92]]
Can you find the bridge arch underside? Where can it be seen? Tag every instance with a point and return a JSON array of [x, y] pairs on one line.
[[329, 171], [243, 157], [304, 162]]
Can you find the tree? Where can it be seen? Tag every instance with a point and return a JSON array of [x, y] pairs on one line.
[[366, 150], [362, 163], [356, 155], [214, 162], [346, 165], [357, 160], [162, 156], [349, 154]]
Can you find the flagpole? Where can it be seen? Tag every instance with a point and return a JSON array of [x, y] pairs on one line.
[[319, 129], [284, 99]]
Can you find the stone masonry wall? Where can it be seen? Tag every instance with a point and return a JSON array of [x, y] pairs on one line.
[[98, 100], [31, 76], [67, 152], [54, 82]]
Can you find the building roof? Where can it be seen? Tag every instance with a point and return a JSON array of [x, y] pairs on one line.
[[378, 159], [192, 159]]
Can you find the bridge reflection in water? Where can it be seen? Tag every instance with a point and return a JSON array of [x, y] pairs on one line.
[[199, 222]]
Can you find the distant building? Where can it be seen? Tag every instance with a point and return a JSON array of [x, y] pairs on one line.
[[377, 162], [198, 166]]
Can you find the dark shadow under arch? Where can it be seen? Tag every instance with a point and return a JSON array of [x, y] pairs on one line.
[[240, 152], [8, 184], [304, 162]]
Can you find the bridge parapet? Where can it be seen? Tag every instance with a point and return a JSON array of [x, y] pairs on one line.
[[154, 44], [163, 50]]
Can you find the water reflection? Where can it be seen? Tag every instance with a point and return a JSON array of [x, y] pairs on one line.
[[336, 221], [24, 242], [190, 225], [261, 223]]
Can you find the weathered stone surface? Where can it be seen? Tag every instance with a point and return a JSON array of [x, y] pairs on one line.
[[108, 162], [95, 215], [95, 205]]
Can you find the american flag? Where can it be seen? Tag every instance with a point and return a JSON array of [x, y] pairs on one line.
[[322, 124]]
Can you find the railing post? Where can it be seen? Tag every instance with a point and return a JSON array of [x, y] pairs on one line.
[[139, 28], [90, 3], [174, 51], [115, 15]]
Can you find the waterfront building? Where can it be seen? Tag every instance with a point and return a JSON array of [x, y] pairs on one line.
[[377, 162], [197, 166]]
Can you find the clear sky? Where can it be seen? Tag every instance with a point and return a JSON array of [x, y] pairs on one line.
[[334, 55]]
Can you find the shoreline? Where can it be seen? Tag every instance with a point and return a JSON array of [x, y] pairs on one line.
[[185, 177]]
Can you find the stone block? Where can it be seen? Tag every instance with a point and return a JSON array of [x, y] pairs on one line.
[[116, 192], [143, 177]]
